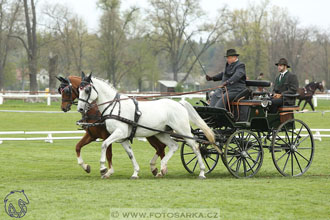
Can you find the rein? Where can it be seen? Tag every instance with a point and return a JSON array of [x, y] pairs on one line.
[[166, 94]]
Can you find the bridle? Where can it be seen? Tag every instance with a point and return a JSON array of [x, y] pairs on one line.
[[88, 87], [68, 89]]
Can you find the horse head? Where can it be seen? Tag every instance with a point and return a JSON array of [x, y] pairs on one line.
[[69, 92], [87, 93], [320, 86]]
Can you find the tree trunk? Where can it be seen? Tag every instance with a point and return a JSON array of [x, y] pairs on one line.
[[52, 70]]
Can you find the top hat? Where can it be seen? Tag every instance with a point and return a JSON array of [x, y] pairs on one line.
[[231, 52], [282, 61]]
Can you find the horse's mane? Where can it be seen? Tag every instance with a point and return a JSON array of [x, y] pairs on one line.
[[311, 83], [104, 81]]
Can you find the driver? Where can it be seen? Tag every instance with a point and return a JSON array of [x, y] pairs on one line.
[[233, 78]]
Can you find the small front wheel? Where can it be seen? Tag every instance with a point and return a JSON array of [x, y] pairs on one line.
[[243, 154], [189, 159]]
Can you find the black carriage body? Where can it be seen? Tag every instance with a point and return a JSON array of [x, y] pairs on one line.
[[249, 128]]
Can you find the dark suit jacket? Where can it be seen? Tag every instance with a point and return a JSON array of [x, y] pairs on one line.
[[234, 75], [288, 84]]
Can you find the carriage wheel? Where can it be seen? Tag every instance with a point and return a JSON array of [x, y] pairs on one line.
[[292, 148], [189, 160], [243, 154]]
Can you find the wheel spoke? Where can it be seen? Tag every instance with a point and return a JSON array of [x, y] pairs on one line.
[[304, 148], [282, 140], [297, 162], [195, 166], [244, 167], [249, 165], [233, 163], [207, 164], [232, 159], [286, 162], [282, 156], [298, 134], [302, 140], [191, 160], [238, 144], [188, 153], [238, 165], [302, 156], [291, 165], [286, 134], [211, 158], [247, 141]]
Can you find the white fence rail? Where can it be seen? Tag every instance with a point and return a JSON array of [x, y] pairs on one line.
[[48, 135], [49, 97]]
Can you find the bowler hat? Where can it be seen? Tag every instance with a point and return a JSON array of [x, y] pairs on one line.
[[282, 61], [231, 52]]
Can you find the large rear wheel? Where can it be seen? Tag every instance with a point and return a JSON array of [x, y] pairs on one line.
[[189, 160], [292, 148]]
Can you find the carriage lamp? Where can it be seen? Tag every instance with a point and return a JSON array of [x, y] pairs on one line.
[[265, 103], [257, 112]]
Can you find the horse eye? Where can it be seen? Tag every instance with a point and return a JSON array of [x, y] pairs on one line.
[[88, 90]]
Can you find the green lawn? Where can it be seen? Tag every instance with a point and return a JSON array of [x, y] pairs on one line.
[[59, 189]]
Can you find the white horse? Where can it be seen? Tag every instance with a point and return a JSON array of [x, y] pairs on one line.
[[160, 114]]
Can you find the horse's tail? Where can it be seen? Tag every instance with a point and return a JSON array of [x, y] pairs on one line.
[[198, 121]]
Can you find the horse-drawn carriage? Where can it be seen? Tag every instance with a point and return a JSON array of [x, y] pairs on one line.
[[243, 133], [240, 134]]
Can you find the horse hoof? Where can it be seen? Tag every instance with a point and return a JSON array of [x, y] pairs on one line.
[[164, 171], [88, 169], [155, 171], [201, 177], [159, 175], [105, 177], [103, 171], [134, 177]]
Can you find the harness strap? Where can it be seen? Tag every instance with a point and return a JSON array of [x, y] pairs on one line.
[[137, 116]]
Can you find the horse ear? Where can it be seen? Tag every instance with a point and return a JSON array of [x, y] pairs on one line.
[[89, 78], [82, 74], [61, 79]]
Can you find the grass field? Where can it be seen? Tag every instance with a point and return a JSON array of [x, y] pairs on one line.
[[59, 189]]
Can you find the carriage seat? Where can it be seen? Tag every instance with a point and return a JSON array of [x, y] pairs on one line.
[[257, 83], [244, 94]]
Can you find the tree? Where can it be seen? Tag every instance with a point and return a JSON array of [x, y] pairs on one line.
[[171, 20], [114, 30], [8, 16], [249, 29], [31, 47]]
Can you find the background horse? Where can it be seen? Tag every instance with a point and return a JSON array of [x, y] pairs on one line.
[[160, 114], [307, 93], [69, 91]]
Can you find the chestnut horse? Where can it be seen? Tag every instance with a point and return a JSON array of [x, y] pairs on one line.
[[70, 92], [307, 93]]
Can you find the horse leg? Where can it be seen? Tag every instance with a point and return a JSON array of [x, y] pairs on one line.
[[109, 159], [116, 135], [130, 154], [304, 105], [192, 143], [86, 139], [173, 146], [311, 104], [299, 102], [159, 146]]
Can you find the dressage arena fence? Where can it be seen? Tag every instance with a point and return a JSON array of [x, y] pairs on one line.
[[49, 97], [49, 138]]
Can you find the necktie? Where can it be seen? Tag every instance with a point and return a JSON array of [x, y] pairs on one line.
[[281, 76]]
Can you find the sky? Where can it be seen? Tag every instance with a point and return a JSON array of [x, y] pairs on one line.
[[309, 12]]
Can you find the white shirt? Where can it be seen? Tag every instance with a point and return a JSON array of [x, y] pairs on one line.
[[282, 74]]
